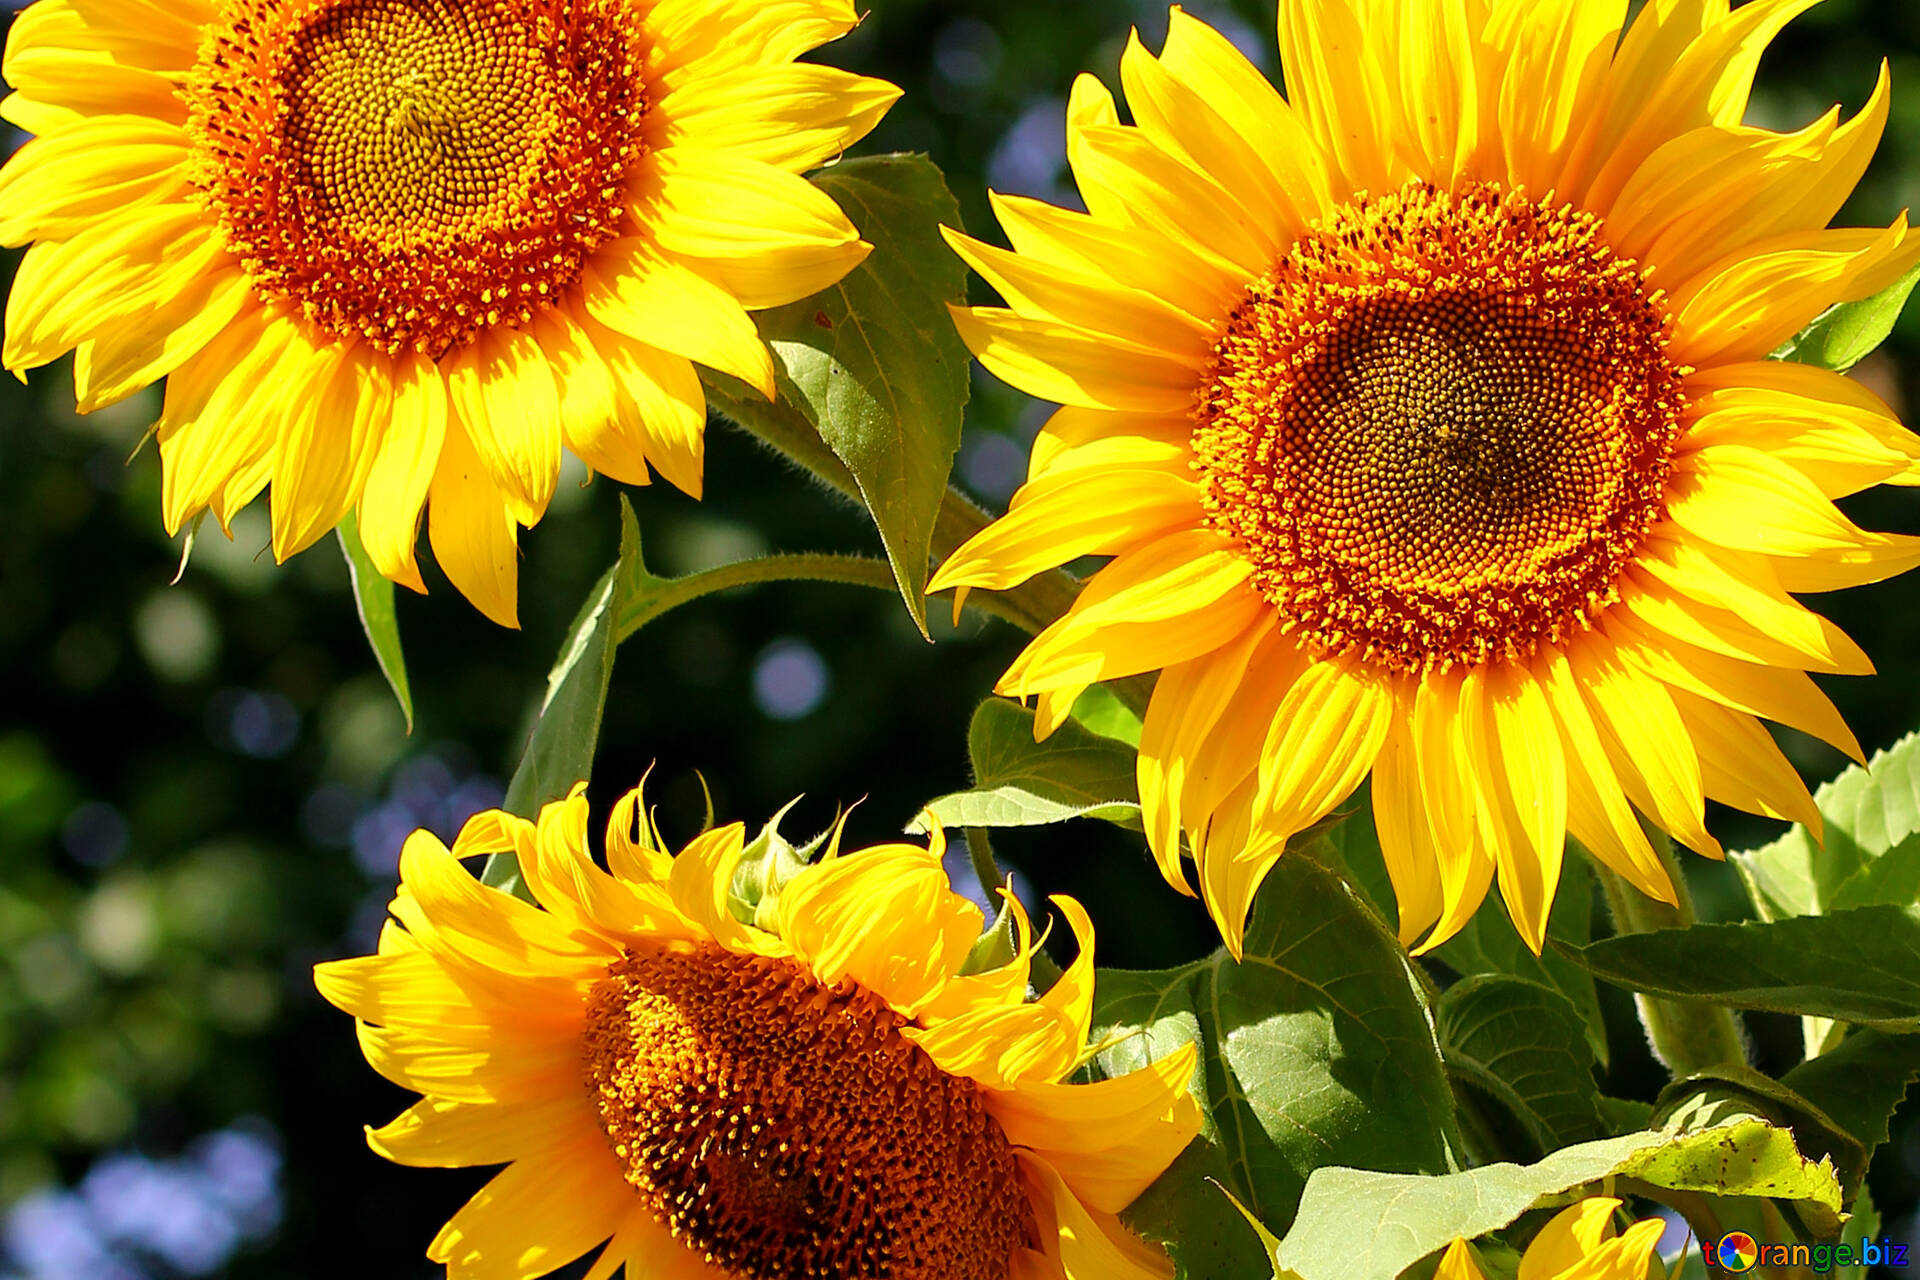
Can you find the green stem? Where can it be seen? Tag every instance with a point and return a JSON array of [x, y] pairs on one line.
[[855, 571], [1687, 1035], [1032, 606]]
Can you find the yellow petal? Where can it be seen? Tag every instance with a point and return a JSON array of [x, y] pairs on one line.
[[766, 236], [885, 918], [56, 187], [1452, 794], [1741, 764], [1108, 1140], [328, 444], [396, 488], [1515, 749], [1091, 1245], [1340, 92], [660, 405], [1458, 1264], [1645, 741], [1737, 497], [792, 116], [506, 394], [1220, 74], [1324, 740], [536, 1216], [1406, 836], [591, 418], [1169, 601], [222, 412], [66, 293], [1746, 305], [1181, 121], [1569, 1239], [631, 288], [472, 531], [437, 1134], [1069, 365], [697, 39], [1063, 516], [1598, 814]]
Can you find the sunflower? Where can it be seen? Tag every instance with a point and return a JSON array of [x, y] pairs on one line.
[[397, 253], [1428, 421], [1577, 1244], [829, 1095]]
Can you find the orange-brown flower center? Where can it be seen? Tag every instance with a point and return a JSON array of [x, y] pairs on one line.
[[412, 172], [786, 1130], [1441, 427]]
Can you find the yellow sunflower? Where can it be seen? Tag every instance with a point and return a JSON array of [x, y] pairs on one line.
[[397, 253], [1578, 1244], [1428, 420], [825, 1096]]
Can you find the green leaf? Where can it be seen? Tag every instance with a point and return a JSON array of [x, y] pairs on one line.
[[373, 597], [1100, 711], [1860, 965], [1524, 1045], [1317, 1049], [1359, 1224], [1022, 783], [559, 751], [874, 363], [1847, 334], [1737, 1091], [1490, 944], [1870, 851], [1746, 1158], [1860, 1083]]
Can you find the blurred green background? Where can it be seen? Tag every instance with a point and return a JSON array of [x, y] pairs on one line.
[[204, 786]]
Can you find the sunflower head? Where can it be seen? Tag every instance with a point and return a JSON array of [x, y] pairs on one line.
[[1426, 416], [831, 1095], [399, 255], [1577, 1244]]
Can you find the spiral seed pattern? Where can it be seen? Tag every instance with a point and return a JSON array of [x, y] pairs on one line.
[[1442, 427], [786, 1130], [412, 172]]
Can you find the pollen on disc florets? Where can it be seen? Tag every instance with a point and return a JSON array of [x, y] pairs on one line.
[[786, 1130], [412, 172], [1441, 427]]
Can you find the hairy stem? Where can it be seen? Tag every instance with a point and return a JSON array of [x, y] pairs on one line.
[[1687, 1035]]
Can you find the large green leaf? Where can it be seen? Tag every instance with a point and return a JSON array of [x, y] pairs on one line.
[[1845, 335], [1490, 944], [1728, 1091], [1870, 851], [1860, 1082], [1018, 782], [373, 597], [1317, 1049], [1361, 1224], [1523, 1045], [873, 366], [1859, 965]]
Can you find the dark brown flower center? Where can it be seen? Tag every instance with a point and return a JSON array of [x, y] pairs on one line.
[[1441, 427], [787, 1131]]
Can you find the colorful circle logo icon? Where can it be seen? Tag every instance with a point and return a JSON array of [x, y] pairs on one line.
[[1737, 1251]]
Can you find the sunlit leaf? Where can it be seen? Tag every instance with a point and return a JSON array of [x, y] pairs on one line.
[[1022, 783], [1847, 334], [874, 365]]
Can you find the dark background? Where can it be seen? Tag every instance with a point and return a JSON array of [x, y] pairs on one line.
[[203, 786]]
